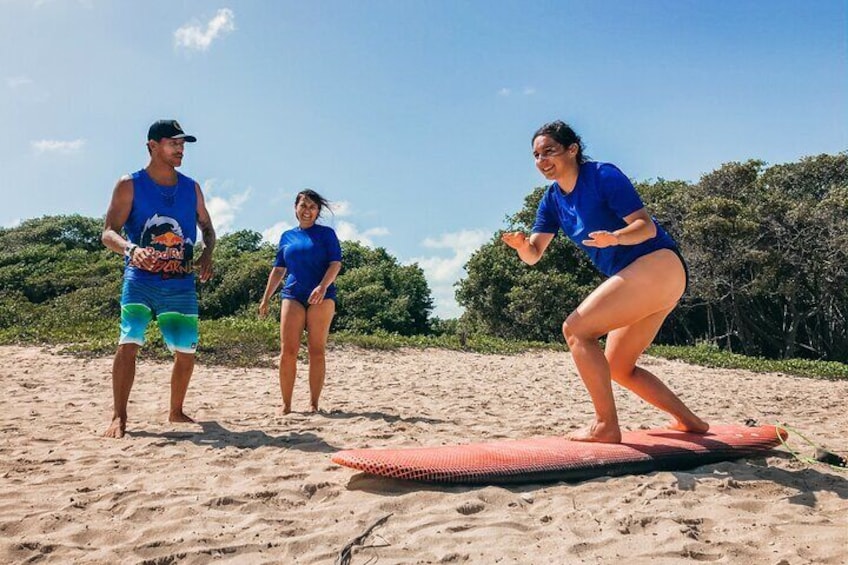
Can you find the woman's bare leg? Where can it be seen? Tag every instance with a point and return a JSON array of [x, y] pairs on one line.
[[318, 319], [292, 322], [653, 283], [624, 346]]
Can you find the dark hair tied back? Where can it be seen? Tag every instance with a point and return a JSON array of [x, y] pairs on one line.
[[563, 134]]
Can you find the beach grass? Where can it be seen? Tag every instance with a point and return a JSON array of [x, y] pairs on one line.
[[246, 341]]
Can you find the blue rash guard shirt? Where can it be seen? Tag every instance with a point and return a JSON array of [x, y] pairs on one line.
[[601, 199], [306, 255], [163, 218]]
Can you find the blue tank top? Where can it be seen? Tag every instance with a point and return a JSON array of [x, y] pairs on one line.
[[163, 218]]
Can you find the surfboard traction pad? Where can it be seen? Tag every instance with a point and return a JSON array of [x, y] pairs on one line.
[[558, 459]]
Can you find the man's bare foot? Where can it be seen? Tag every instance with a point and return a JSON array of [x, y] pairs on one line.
[[179, 417], [116, 428], [696, 426], [599, 432]]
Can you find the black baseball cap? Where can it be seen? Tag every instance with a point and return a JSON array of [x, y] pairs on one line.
[[170, 129]]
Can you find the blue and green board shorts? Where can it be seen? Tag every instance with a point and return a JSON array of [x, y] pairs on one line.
[[175, 310]]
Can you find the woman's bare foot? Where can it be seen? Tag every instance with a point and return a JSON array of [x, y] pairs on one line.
[[598, 432], [693, 426], [314, 408], [179, 417], [283, 410], [116, 428]]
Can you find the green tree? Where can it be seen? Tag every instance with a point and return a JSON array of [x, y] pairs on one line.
[[55, 274], [767, 253], [376, 293], [505, 297], [51, 256], [805, 216], [69, 232], [241, 264]]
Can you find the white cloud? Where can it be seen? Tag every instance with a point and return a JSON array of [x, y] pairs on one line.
[[527, 91], [18, 81], [341, 208], [12, 223], [272, 234], [57, 146], [465, 241], [443, 272], [349, 232], [193, 36], [223, 210], [444, 302]]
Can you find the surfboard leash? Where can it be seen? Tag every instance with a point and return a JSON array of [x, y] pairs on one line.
[[822, 456]]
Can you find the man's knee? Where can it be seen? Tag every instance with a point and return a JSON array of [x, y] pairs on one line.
[[184, 358], [128, 350]]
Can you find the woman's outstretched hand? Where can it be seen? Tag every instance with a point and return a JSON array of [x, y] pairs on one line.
[[514, 239], [601, 239]]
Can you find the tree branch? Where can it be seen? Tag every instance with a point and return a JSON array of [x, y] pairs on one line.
[[346, 553]]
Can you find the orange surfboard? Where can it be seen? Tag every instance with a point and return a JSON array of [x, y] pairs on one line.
[[559, 459]]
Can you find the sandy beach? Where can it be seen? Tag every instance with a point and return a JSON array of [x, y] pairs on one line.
[[244, 485]]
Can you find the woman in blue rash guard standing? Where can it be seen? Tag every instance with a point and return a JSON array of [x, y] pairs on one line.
[[309, 257], [598, 208]]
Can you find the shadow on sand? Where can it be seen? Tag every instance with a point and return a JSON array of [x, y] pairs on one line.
[[391, 418], [216, 436]]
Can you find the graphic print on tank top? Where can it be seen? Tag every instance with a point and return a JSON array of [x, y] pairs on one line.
[[174, 253]]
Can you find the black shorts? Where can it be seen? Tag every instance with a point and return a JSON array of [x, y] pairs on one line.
[[685, 268]]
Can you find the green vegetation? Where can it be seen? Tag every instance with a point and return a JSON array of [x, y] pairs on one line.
[[767, 248], [245, 341], [712, 356]]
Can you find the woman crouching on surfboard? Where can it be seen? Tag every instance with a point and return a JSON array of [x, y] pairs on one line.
[[598, 208]]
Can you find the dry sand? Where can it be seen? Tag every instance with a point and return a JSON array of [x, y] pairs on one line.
[[246, 486]]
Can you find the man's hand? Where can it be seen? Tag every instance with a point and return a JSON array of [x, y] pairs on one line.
[[204, 265], [144, 258]]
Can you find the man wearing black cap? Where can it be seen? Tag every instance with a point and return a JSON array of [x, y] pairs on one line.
[[158, 211]]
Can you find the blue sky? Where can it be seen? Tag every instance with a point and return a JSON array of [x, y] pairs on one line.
[[414, 117]]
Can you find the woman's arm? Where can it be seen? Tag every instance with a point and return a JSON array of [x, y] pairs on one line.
[[640, 227], [531, 249], [274, 277], [317, 294]]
